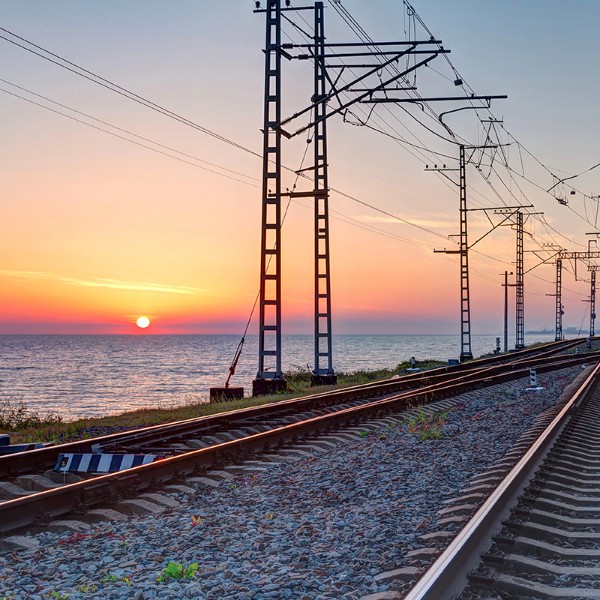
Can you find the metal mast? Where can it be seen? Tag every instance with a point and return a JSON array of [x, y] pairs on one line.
[[505, 286], [519, 286], [559, 307], [592, 305], [323, 373], [465, 303], [270, 375]]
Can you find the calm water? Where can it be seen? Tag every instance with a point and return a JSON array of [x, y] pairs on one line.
[[85, 375]]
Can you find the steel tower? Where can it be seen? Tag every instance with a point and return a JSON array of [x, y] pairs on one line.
[[592, 305], [323, 373], [519, 286], [559, 307], [270, 375]]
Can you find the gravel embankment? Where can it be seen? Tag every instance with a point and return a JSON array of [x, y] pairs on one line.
[[321, 527]]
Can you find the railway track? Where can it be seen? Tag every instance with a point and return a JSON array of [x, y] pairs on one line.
[[179, 437], [538, 533], [238, 444]]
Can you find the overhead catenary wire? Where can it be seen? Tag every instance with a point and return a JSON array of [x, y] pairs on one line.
[[106, 83], [127, 132], [363, 37], [222, 138]]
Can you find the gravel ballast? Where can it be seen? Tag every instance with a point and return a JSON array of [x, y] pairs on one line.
[[321, 527]]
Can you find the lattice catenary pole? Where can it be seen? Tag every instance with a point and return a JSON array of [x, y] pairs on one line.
[[323, 373], [465, 303], [559, 308], [270, 375], [519, 287], [592, 307]]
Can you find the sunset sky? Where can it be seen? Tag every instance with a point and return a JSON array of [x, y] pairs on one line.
[[96, 231]]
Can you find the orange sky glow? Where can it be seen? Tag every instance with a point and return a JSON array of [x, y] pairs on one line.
[[97, 231]]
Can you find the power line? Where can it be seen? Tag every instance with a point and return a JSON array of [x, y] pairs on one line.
[[113, 87], [122, 137], [94, 78]]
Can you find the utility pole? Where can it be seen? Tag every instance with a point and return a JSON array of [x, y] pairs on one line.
[[574, 256], [323, 373], [465, 298], [519, 284], [270, 377], [519, 287], [505, 286], [559, 312], [329, 98], [593, 270], [379, 73]]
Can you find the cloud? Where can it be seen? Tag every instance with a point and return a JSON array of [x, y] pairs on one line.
[[114, 284]]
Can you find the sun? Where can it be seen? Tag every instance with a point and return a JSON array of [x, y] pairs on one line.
[[143, 322]]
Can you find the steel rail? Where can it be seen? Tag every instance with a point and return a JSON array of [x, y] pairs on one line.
[[44, 458], [79, 497], [448, 574]]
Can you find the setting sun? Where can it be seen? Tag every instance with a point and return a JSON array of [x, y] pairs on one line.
[[143, 322]]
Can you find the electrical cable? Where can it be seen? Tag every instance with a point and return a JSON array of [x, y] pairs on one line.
[[122, 137]]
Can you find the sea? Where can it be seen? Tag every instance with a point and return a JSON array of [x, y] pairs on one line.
[[81, 376]]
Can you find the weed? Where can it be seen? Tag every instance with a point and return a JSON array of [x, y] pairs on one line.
[[177, 571], [197, 520], [58, 596], [14, 414], [110, 578], [427, 427], [87, 587]]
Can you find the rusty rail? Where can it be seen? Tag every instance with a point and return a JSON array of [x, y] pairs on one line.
[[79, 497], [45, 458]]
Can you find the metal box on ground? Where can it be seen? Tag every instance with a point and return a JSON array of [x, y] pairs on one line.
[[222, 394], [323, 380], [264, 387]]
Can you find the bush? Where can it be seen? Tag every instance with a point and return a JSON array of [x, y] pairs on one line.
[[14, 415]]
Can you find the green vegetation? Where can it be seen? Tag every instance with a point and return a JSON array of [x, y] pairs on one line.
[[110, 578], [427, 427], [15, 415], [25, 426], [177, 571], [84, 588]]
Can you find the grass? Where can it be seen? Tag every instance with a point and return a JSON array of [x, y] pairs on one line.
[[14, 414], [427, 426], [25, 426]]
